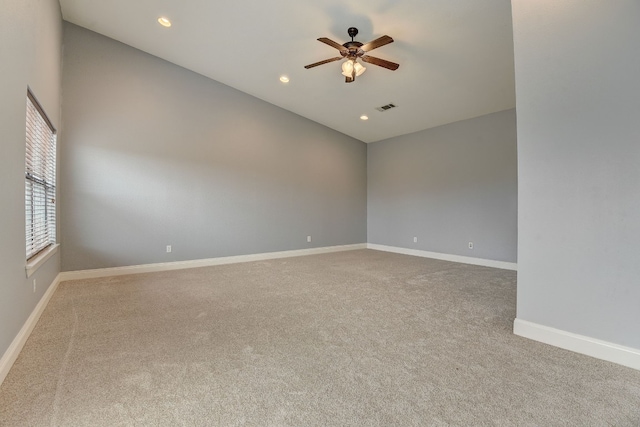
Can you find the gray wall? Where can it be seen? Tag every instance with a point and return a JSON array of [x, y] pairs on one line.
[[156, 155], [578, 103], [30, 53], [447, 186]]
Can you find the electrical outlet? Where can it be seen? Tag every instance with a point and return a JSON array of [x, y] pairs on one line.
[[168, 248], [34, 285], [415, 240], [470, 245], [308, 238]]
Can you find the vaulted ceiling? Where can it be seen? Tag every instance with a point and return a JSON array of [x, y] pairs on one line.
[[455, 56]]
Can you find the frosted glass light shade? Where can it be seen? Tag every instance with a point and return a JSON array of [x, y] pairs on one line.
[[347, 68], [359, 68]]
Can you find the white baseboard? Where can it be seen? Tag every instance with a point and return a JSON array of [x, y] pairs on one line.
[[179, 265], [446, 257], [599, 349], [18, 342]]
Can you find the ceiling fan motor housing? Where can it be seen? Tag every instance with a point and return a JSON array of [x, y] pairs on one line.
[[353, 50], [353, 47]]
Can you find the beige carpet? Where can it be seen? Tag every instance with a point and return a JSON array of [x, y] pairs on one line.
[[361, 338]]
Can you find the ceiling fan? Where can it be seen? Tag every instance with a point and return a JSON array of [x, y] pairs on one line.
[[352, 51]]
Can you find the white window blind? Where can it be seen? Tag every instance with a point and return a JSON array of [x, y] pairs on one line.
[[40, 179]]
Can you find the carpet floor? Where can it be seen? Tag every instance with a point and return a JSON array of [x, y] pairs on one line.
[[358, 338]]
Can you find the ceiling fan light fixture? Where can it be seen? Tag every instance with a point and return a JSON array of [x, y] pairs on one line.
[[347, 68], [353, 50]]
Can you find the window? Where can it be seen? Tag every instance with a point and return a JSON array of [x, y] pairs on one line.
[[40, 179]]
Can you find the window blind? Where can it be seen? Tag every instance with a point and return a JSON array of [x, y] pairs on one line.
[[40, 179]]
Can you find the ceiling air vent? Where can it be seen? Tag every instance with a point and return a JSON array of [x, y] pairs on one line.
[[386, 107]]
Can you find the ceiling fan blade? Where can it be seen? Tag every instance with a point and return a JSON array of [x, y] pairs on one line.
[[332, 44], [381, 41], [381, 62], [326, 61]]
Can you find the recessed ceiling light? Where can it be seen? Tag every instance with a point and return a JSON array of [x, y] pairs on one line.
[[164, 22], [284, 79], [363, 117]]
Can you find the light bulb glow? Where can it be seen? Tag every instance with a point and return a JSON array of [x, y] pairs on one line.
[[363, 117], [284, 79], [164, 22]]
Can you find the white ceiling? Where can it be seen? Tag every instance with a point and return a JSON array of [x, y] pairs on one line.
[[455, 56]]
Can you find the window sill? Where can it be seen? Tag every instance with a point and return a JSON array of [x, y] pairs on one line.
[[35, 262]]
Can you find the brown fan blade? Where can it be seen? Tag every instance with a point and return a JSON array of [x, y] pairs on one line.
[[376, 43], [326, 61], [381, 62], [332, 44]]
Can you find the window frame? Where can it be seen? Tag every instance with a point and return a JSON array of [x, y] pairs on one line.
[[40, 185]]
